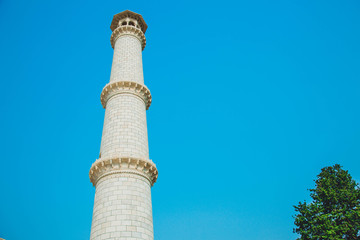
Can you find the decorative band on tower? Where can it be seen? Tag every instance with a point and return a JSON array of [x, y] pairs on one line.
[[104, 167], [125, 87], [128, 30]]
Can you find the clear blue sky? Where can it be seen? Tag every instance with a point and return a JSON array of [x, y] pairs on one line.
[[250, 100]]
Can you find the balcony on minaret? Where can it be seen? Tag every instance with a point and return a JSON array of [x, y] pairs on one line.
[[128, 18], [128, 22]]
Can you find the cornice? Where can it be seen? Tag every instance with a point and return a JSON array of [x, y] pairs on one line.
[[128, 30], [112, 89], [123, 165]]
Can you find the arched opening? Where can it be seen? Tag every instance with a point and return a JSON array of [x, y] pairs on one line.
[[124, 23], [132, 23]]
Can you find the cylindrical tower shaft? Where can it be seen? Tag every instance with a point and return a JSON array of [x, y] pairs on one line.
[[123, 174], [127, 47]]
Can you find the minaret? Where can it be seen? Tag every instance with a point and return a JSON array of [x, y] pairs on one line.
[[123, 174]]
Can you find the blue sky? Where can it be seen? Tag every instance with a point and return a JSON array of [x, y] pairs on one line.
[[250, 100]]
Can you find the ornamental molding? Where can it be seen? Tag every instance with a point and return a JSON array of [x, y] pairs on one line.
[[128, 30], [123, 165], [122, 87]]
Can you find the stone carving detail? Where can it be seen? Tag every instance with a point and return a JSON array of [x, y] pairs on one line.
[[122, 87], [128, 30], [127, 165]]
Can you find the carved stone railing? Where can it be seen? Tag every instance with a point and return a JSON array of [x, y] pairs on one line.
[[123, 165], [112, 89], [128, 30]]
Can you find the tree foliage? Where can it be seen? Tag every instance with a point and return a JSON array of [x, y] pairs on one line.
[[334, 212]]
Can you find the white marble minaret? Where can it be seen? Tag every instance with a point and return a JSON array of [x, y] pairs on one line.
[[123, 174]]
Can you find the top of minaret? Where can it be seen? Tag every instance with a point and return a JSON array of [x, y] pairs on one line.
[[128, 14]]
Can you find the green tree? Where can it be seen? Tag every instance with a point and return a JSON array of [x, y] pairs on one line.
[[334, 212]]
